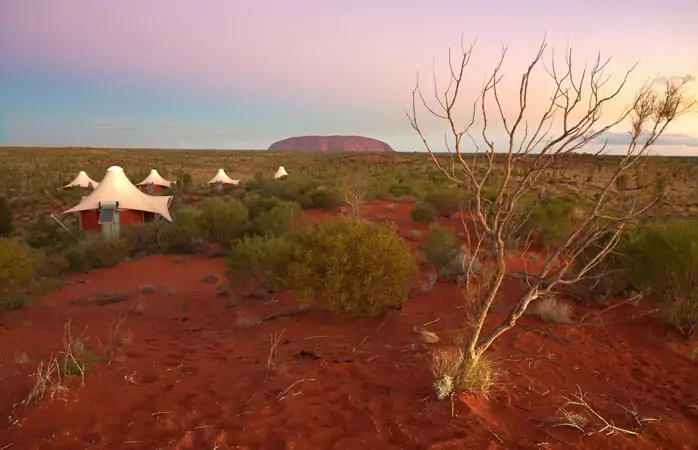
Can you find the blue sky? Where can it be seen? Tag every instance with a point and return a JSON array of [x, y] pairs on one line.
[[226, 74]]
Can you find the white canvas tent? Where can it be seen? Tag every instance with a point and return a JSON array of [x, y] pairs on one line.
[[222, 178], [117, 191], [156, 179], [82, 180], [281, 172]]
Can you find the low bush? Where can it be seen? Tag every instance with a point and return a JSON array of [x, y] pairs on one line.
[[552, 310], [423, 213], [281, 219], [257, 204], [95, 251], [222, 220], [445, 253], [46, 234], [551, 220], [261, 261], [351, 266], [142, 239], [17, 271], [323, 198], [182, 235], [346, 265], [50, 265], [446, 201], [663, 258]]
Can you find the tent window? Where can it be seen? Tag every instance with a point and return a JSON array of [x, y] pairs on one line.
[[149, 188], [106, 216]]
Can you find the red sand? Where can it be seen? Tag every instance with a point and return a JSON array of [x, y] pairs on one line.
[[195, 375]]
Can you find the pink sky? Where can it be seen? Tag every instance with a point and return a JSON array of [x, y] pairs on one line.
[[360, 57]]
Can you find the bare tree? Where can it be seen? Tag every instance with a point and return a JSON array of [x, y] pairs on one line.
[[499, 174], [352, 186]]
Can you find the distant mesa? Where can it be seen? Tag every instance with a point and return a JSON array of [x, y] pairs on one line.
[[331, 144]]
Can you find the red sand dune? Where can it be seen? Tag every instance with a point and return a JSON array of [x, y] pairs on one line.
[[331, 144], [194, 374]]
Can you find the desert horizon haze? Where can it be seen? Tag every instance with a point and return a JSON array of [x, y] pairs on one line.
[[221, 74]]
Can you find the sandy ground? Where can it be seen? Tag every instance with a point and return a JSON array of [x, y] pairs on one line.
[[191, 371]]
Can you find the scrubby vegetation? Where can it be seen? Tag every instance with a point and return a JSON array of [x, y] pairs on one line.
[[345, 265], [662, 258]]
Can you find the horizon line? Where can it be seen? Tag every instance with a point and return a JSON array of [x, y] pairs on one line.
[[80, 147]]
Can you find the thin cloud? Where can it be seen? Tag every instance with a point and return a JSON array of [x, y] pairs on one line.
[[666, 139], [117, 126], [158, 124], [234, 133]]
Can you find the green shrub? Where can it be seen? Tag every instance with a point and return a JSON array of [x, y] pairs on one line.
[[222, 220], [263, 260], [351, 266], [17, 272], [400, 189], [182, 235], [663, 258], [45, 233], [279, 220], [423, 213], [552, 219], [184, 183], [324, 198], [446, 201], [95, 251], [6, 227], [142, 239], [50, 265], [446, 254], [257, 204]]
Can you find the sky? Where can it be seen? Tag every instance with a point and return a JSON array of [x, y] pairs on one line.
[[229, 74]]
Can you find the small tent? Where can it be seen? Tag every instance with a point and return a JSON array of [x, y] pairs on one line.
[[117, 203], [280, 172], [154, 183], [221, 179], [82, 181]]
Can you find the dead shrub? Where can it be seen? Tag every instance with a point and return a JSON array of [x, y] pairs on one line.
[[550, 309]]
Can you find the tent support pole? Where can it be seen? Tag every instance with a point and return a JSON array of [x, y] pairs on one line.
[[53, 216]]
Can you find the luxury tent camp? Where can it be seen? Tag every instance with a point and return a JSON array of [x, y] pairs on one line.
[[222, 179], [154, 183], [82, 181], [117, 203], [280, 173]]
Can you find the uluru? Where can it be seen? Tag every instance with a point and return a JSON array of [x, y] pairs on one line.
[[331, 144]]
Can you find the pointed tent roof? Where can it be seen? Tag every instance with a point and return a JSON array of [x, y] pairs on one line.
[[223, 178], [82, 180], [281, 172], [155, 178], [116, 187]]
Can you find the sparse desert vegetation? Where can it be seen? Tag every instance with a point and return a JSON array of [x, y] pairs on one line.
[[374, 300]]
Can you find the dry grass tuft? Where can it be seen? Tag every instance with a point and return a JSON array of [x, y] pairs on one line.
[[553, 310], [245, 321], [48, 381], [139, 308], [116, 338], [21, 358], [453, 371], [274, 348], [427, 336]]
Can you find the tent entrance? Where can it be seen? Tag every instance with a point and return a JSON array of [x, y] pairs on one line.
[[109, 219]]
